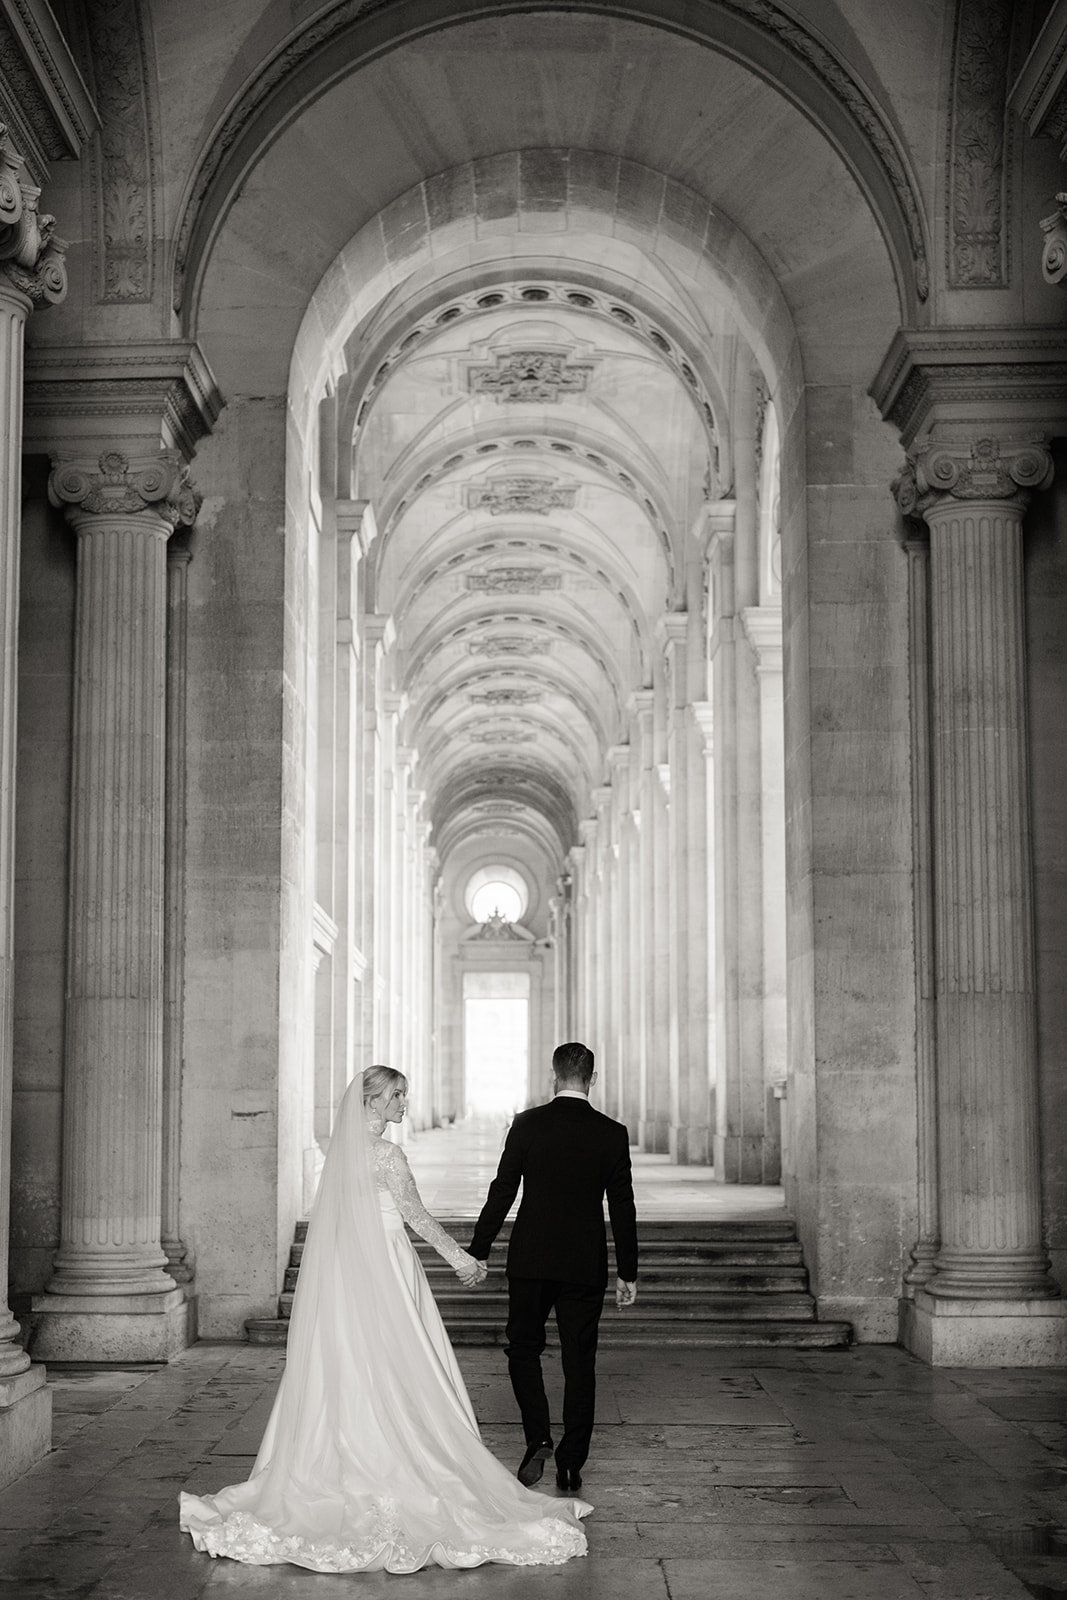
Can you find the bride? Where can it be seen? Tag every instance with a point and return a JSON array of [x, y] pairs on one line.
[[372, 1458]]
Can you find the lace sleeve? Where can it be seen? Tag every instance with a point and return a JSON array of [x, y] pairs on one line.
[[401, 1185]]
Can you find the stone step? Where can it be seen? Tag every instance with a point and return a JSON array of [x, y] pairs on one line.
[[743, 1230], [635, 1333], [655, 1253], [703, 1278], [472, 1305], [714, 1283]]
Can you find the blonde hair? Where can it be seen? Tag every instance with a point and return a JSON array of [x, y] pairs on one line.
[[380, 1080]]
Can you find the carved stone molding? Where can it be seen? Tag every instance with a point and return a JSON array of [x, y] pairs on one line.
[[123, 191], [513, 580], [43, 100], [133, 390], [1054, 254], [510, 735], [1039, 93], [507, 697], [978, 243], [974, 379], [117, 485], [502, 644], [502, 496], [983, 469], [31, 257], [529, 375]]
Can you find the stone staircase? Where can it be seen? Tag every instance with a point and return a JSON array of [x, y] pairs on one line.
[[700, 1284]]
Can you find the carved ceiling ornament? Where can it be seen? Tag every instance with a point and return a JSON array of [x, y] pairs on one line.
[[31, 257], [530, 376], [504, 735], [513, 580], [124, 177], [120, 485], [979, 243], [507, 697], [509, 644], [515, 495], [978, 469]]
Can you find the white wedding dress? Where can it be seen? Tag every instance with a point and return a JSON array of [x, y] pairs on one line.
[[372, 1458]]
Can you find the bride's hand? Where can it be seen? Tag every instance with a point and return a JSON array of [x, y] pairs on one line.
[[471, 1272]]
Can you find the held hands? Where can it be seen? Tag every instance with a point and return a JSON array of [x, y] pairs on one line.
[[625, 1293], [471, 1272]]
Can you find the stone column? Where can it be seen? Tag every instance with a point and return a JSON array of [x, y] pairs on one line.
[[924, 1250], [990, 1298], [690, 1132], [110, 1298], [178, 557], [763, 631], [31, 274]]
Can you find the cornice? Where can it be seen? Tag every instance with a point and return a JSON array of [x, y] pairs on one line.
[[969, 376], [1039, 93], [43, 97], [165, 387]]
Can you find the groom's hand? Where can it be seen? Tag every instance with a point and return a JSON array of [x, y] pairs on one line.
[[625, 1293]]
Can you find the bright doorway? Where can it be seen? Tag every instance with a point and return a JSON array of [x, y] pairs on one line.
[[496, 1041]]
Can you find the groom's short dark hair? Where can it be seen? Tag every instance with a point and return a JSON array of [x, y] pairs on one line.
[[573, 1063]]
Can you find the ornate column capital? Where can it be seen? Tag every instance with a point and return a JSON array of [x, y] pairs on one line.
[[31, 257], [977, 469], [120, 485], [1054, 253]]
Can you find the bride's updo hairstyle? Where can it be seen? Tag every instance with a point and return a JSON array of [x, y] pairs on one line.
[[381, 1080]]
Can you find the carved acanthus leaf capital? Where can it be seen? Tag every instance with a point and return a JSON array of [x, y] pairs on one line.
[[120, 485], [979, 469], [31, 257], [1054, 254]]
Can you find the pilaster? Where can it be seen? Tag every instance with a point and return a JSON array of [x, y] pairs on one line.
[[109, 1297], [989, 1298], [32, 274]]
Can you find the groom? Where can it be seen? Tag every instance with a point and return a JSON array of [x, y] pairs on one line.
[[567, 1156]]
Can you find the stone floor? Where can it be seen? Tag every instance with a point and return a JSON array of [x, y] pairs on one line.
[[716, 1475]]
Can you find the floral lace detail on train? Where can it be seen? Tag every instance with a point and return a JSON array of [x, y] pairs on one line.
[[242, 1538], [391, 1172]]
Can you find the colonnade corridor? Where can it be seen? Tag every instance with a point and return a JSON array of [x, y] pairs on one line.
[[524, 523], [454, 1166]]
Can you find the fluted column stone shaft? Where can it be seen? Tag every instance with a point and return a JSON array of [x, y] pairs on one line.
[[924, 1251], [123, 516], [973, 501], [178, 558], [32, 274]]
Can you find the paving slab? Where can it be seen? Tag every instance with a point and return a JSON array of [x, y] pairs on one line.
[[855, 1476]]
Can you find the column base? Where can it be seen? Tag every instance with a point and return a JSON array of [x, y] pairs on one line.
[[113, 1327], [690, 1145], [654, 1135], [984, 1333], [25, 1422]]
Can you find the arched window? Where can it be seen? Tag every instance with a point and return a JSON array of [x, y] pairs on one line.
[[496, 891]]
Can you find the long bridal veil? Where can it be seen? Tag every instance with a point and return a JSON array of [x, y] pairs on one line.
[[370, 1458]]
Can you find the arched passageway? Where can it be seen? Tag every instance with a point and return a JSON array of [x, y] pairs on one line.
[[543, 538]]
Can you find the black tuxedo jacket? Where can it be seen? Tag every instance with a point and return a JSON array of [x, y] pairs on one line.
[[567, 1155]]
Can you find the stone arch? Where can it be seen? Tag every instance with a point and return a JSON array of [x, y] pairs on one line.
[[827, 85]]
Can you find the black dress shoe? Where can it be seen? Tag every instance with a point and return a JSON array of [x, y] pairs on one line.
[[568, 1478], [533, 1462]]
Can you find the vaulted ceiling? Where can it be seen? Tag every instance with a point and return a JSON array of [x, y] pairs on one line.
[[536, 449]]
